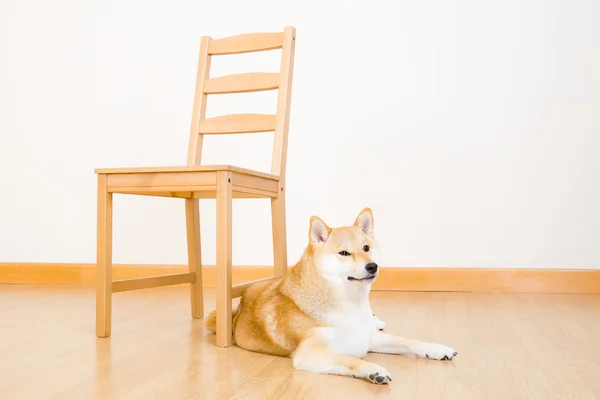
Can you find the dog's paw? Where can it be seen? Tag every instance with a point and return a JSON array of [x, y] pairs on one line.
[[436, 351], [379, 324], [379, 379], [376, 374]]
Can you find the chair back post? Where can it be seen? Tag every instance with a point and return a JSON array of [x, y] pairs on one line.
[[199, 107], [280, 141]]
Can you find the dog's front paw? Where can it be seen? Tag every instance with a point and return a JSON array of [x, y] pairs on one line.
[[379, 324], [379, 379], [436, 351], [376, 374]]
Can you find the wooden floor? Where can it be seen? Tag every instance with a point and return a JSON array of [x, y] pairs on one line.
[[510, 347]]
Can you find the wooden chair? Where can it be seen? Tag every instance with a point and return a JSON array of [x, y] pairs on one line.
[[221, 182]]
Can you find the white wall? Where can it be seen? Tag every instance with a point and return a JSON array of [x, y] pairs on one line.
[[471, 128]]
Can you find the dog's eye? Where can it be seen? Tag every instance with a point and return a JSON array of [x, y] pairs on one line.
[[344, 253], [366, 248]]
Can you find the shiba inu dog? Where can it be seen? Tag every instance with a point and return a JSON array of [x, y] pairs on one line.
[[319, 312]]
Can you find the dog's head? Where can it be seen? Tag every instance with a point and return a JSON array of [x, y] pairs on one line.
[[348, 254]]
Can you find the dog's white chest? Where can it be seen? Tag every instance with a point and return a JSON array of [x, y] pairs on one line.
[[351, 334]]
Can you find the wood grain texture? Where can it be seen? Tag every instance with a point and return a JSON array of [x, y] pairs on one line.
[[191, 183], [510, 347], [490, 280], [242, 83], [246, 43], [191, 168], [255, 182], [194, 250], [237, 123], [482, 280], [45, 273], [85, 274], [280, 148], [284, 105], [158, 180], [127, 285], [199, 108], [279, 234], [224, 257], [239, 192], [104, 238]]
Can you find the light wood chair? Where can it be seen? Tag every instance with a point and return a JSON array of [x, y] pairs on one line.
[[221, 182]]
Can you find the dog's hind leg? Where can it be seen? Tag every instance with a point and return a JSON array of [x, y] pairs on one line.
[[314, 355], [390, 344]]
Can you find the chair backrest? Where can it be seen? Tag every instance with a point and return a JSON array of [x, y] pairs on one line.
[[242, 83]]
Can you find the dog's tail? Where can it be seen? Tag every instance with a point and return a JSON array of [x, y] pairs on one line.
[[211, 320]]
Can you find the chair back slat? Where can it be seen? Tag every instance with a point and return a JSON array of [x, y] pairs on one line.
[[238, 123], [247, 43], [242, 83]]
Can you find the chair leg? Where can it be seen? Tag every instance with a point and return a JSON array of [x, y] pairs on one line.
[[224, 251], [279, 234], [192, 220], [104, 260]]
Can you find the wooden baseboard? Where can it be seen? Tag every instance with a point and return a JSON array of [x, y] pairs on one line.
[[400, 279], [85, 274]]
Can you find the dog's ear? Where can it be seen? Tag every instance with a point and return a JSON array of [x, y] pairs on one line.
[[319, 231], [365, 222]]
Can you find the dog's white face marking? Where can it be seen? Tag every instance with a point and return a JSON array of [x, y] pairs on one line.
[[351, 266], [375, 254], [335, 268], [350, 256]]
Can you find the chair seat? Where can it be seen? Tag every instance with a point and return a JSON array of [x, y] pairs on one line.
[[196, 182]]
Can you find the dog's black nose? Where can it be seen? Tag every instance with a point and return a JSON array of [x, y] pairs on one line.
[[371, 268]]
